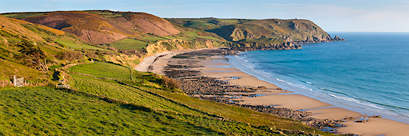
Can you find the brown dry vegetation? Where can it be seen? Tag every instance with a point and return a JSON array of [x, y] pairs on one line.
[[170, 82], [98, 29], [89, 27], [71, 55], [148, 23]]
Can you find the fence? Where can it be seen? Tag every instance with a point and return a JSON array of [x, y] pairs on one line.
[[19, 82]]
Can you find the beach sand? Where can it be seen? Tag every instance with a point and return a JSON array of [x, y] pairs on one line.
[[219, 68]]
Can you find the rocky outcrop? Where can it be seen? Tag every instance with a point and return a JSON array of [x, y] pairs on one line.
[[268, 46], [336, 38]]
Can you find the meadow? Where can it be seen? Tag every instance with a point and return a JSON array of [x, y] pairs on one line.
[[146, 89], [129, 44], [104, 100]]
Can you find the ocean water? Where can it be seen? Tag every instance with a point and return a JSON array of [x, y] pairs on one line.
[[368, 73]]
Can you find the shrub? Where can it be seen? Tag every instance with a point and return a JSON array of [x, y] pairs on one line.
[[170, 82], [32, 55], [91, 54], [71, 55]]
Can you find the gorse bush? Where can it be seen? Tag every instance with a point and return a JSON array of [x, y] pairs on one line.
[[170, 82]]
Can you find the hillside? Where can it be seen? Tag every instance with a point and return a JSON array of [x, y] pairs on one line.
[[106, 96], [250, 32], [33, 51], [27, 49], [100, 27], [134, 31], [107, 99]]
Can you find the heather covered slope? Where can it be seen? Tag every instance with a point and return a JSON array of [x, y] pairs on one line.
[[134, 31], [101, 26], [89, 27]]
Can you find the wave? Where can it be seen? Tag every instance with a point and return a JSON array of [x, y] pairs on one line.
[[244, 63]]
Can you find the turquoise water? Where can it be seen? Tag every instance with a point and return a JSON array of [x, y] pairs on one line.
[[368, 73]]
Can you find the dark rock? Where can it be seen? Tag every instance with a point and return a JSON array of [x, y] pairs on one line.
[[375, 116]]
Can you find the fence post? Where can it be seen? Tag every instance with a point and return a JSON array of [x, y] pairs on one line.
[[14, 80]]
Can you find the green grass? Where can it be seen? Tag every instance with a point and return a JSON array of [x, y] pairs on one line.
[[71, 44], [23, 15], [102, 69], [46, 111], [174, 103], [153, 38], [129, 44], [126, 93], [109, 107], [9, 68]]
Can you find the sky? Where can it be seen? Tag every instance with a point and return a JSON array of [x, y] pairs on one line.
[[331, 15]]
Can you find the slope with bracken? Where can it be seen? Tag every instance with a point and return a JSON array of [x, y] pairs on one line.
[[101, 27], [124, 31], [89, 27]]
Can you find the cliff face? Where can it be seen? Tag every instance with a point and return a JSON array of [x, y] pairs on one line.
[[261, 32], [277, 31]]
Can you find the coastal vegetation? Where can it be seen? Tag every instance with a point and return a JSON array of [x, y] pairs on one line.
[[120, 105], [106, 96]]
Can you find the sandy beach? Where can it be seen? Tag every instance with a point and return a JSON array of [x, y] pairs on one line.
[[219, 68]]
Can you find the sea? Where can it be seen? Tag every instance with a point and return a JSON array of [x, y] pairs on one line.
[[368, 73]]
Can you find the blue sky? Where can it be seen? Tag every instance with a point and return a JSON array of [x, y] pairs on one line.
[[331, 15]]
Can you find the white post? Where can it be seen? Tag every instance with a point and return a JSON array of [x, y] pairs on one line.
[[14, 80]]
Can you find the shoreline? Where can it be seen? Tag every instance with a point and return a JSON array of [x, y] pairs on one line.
[[328, 100], [217, 67]]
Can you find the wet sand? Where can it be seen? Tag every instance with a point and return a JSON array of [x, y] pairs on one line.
[[218, 67]]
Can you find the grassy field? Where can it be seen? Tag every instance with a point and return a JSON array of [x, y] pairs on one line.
[[102, 69], [153, 38], [23, 15], [69, 43], [145, 89], [123, 106], [129, 44], [46, 111]]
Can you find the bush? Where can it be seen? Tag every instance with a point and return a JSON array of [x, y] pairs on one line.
[[32, 55], [170, 82], [91, 54], [71, 55]]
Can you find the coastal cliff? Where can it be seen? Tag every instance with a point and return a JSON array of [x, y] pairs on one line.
[[148, 34], [260, 33], [76, 50]]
